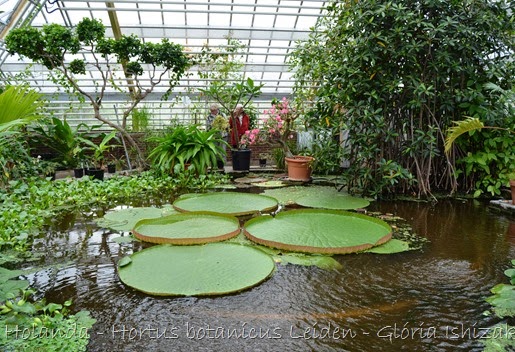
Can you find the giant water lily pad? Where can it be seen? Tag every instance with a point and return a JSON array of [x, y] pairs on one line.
[[332, 200], [211, 269], [318, 231], [317, 197], [125, 219], [390, 247], [227, 203], [188, 228]]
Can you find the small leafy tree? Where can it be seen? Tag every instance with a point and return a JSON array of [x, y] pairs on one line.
[[395, 74], [58, 48], [222, 67]]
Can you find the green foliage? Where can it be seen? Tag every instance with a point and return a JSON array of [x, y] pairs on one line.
[[489, 151], [503, 299], [187, 145], [228, 95], [15, 160], [396, 74], [18, 107], [50, 45], [140, 119], [100, 149], [68, 143], [34, 325], [461, 127], [27, 206], [500, 337], [326, 150]]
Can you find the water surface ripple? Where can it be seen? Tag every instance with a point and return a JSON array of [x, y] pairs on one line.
[[428, 300]]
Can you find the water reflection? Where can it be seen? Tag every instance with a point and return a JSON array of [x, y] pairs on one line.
[[429, 300]]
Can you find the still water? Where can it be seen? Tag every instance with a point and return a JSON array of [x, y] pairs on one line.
[[426, 300]]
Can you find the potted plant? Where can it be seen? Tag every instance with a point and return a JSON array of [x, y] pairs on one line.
[[67, 143], [229, 97], [263, 158], [278, 128], [98, 156], [187, 147], [221, 125]]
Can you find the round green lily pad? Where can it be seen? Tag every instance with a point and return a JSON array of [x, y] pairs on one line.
[[232, 203], [333, 200], [390, 247], [188, 228], [125, 219], [317, 197], [202, 270], [318, 231]]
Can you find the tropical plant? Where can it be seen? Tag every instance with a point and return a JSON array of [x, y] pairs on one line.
[[396, 74], [15, 160], [19, 106], [277, 128], [140, 119], [490, 158], [503, 305], [187, 145], [230, 95], [68, 143], [101, 149], [21, 312], [53, 42]]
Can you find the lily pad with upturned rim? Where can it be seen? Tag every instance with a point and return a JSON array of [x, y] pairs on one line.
[[188, 228], [231, 203], [125, 219], [334, 200], [390, 247], [318, 231], [317, 197], [202, 270]]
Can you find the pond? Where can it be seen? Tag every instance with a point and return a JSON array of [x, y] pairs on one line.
[[426, 300]]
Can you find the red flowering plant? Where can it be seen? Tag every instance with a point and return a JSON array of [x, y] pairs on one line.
[[277, 127]]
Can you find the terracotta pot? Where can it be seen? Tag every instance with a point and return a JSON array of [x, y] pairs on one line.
[[512, 186], [299, 168]]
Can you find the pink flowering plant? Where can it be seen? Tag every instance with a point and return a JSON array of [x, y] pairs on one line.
[[277, 127], [251, 137]]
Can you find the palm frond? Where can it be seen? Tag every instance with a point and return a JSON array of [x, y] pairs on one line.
[[18, 106], [464, 126]]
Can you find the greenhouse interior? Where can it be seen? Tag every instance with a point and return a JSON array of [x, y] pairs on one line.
[[265, 175]]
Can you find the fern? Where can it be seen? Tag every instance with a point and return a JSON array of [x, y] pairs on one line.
[[467, 125]]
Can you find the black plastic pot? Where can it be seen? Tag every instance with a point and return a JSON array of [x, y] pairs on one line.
[[111, 168], [97, 174], [78, 173], [262, 162], [241, 159]]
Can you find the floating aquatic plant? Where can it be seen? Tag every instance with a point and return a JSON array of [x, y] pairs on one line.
[[317, 197], [318, 231], [211, 269], [188, 228], [390, 247], [232, 203], [125, 219]]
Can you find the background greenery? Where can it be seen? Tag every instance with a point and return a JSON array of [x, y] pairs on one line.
[[395, 75]]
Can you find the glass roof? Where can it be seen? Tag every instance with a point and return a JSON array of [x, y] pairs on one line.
[[268, 29]]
